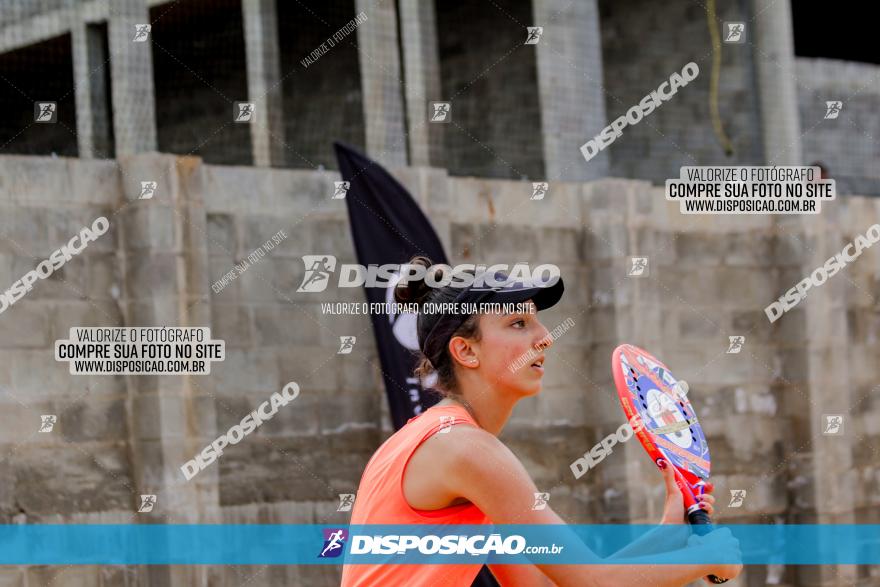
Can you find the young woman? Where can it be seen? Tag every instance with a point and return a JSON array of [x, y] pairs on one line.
[[447, 466]]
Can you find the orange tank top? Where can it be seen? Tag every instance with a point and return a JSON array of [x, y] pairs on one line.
[[380, 500]]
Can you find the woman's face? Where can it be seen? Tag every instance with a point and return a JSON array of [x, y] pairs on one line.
[[510, 351]]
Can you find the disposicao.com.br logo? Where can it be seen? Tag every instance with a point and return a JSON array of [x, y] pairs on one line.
[[320, 268], [477, 545], [426, 543]]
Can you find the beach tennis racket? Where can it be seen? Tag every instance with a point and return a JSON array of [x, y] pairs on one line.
[[657, 407]]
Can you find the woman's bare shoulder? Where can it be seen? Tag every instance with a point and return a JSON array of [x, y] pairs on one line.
[[472, 465], [429, 478], [462, 442]]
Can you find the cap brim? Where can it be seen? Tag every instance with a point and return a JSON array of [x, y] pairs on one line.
[[543, 297]]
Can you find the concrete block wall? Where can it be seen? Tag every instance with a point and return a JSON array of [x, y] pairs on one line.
[[275, 336], [491, 79], [21, 11], [199, 72], [710, 278], [522, 110], [570, 81], [82, 472], [642, 46], [325, 99], [846, 145], [859, 300]]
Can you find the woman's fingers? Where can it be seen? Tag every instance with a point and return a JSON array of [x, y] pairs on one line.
[[668, 472], [707, 502], [673, 494], [673, 510]]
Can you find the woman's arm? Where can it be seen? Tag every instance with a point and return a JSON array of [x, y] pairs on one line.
[[477, 466]]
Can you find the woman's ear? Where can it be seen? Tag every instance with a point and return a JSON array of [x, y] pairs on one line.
[[463, 352]]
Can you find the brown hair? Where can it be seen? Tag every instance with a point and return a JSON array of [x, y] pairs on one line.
[[416, 291]]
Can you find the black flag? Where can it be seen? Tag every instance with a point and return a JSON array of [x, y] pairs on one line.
[[388, 226]]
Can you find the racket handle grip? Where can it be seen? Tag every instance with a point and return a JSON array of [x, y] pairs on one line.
[[699, 519]]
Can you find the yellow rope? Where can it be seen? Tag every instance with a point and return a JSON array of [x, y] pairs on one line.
[[713, 82]]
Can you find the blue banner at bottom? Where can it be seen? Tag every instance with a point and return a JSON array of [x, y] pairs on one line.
[[218, 544]]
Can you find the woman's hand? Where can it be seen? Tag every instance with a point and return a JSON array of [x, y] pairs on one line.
[[673, 510]]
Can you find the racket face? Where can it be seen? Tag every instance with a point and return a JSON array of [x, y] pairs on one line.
[[663, 418]]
